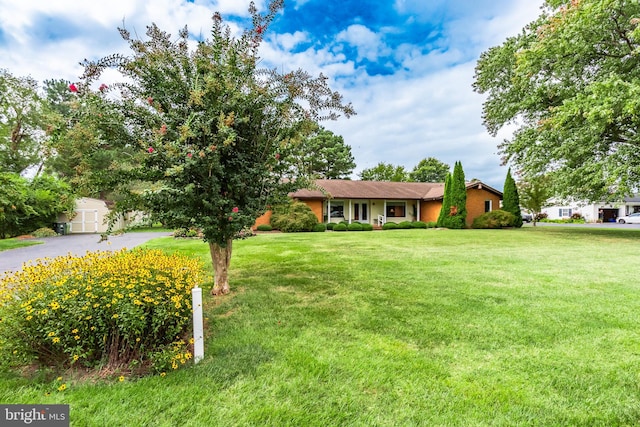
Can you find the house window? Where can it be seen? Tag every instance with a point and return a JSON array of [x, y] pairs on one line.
[[487, 205], [396, 209], [564, 213], [337, 209]]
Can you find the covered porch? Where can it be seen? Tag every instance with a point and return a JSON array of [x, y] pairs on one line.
[[370, 211]]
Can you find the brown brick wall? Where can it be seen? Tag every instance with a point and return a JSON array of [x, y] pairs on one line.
[[429, 211], [475, 203]]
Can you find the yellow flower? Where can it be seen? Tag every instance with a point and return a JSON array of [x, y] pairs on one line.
[[54, 305], [63, 387], [163, 374], [50, 334], [56, 340], [115, 316], [59, 379], [75, 357], [121, 378], [74, 331], [29, 317], [77, 337]]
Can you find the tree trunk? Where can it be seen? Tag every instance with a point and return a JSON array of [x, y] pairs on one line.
[[221, 258]]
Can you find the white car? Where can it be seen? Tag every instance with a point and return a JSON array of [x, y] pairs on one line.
[[633, 218]]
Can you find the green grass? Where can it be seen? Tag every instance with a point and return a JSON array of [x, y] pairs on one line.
[[6, 244], [537, 326]]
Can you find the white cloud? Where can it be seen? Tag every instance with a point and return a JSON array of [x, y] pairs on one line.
[[368, 43], [289, 41]]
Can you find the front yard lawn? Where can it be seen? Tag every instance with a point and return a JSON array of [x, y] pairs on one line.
[[6, 244]]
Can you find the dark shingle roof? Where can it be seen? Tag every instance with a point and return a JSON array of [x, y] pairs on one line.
[[345, 189]]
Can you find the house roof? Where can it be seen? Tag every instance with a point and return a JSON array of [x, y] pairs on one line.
[[346, 189]]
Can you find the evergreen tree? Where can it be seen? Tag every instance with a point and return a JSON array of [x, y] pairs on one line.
[[511, 200], [446, 202], [458, 198]]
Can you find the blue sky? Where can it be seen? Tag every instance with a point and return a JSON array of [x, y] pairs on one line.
[[406, 65]]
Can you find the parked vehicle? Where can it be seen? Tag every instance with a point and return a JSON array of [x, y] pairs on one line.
[[527, 217], [633, 218]]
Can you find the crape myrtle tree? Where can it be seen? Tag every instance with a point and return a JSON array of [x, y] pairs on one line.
[[511, 199], [207, 127], [570, 82]]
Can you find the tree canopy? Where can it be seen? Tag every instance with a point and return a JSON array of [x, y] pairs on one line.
[[429, 169], [570, 83], [24, 121], [321, 155], [205, 127], [384, 172]]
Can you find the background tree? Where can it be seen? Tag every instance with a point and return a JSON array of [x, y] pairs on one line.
[[511, 199], [429, 169], [90, 142], [24, 118], [26, 205], [14, 209], [322, 155], [207, 127], [535, 192], [570, 82], [384, 172]]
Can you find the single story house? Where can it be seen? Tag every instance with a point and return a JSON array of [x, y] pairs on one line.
[[594, 212], [378, 202]]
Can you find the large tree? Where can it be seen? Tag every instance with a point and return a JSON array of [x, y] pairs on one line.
[[322, 155], [207, 126], [24, 121], [570, 83], [429, 169], [384, 172], [511, 199]]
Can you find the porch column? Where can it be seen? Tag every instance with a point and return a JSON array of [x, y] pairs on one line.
[[350, 213]]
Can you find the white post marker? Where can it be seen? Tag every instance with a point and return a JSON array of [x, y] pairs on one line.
[[198, 330]]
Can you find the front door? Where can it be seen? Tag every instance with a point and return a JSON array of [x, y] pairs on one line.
[[361, 212]]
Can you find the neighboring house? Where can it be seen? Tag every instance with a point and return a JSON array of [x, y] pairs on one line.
[[377, 202], [92, 216], [594, 212]]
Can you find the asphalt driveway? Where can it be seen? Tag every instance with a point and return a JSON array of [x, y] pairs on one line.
[[75, 244]]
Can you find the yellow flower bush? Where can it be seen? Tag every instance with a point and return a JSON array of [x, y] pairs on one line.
[[103, 308]]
